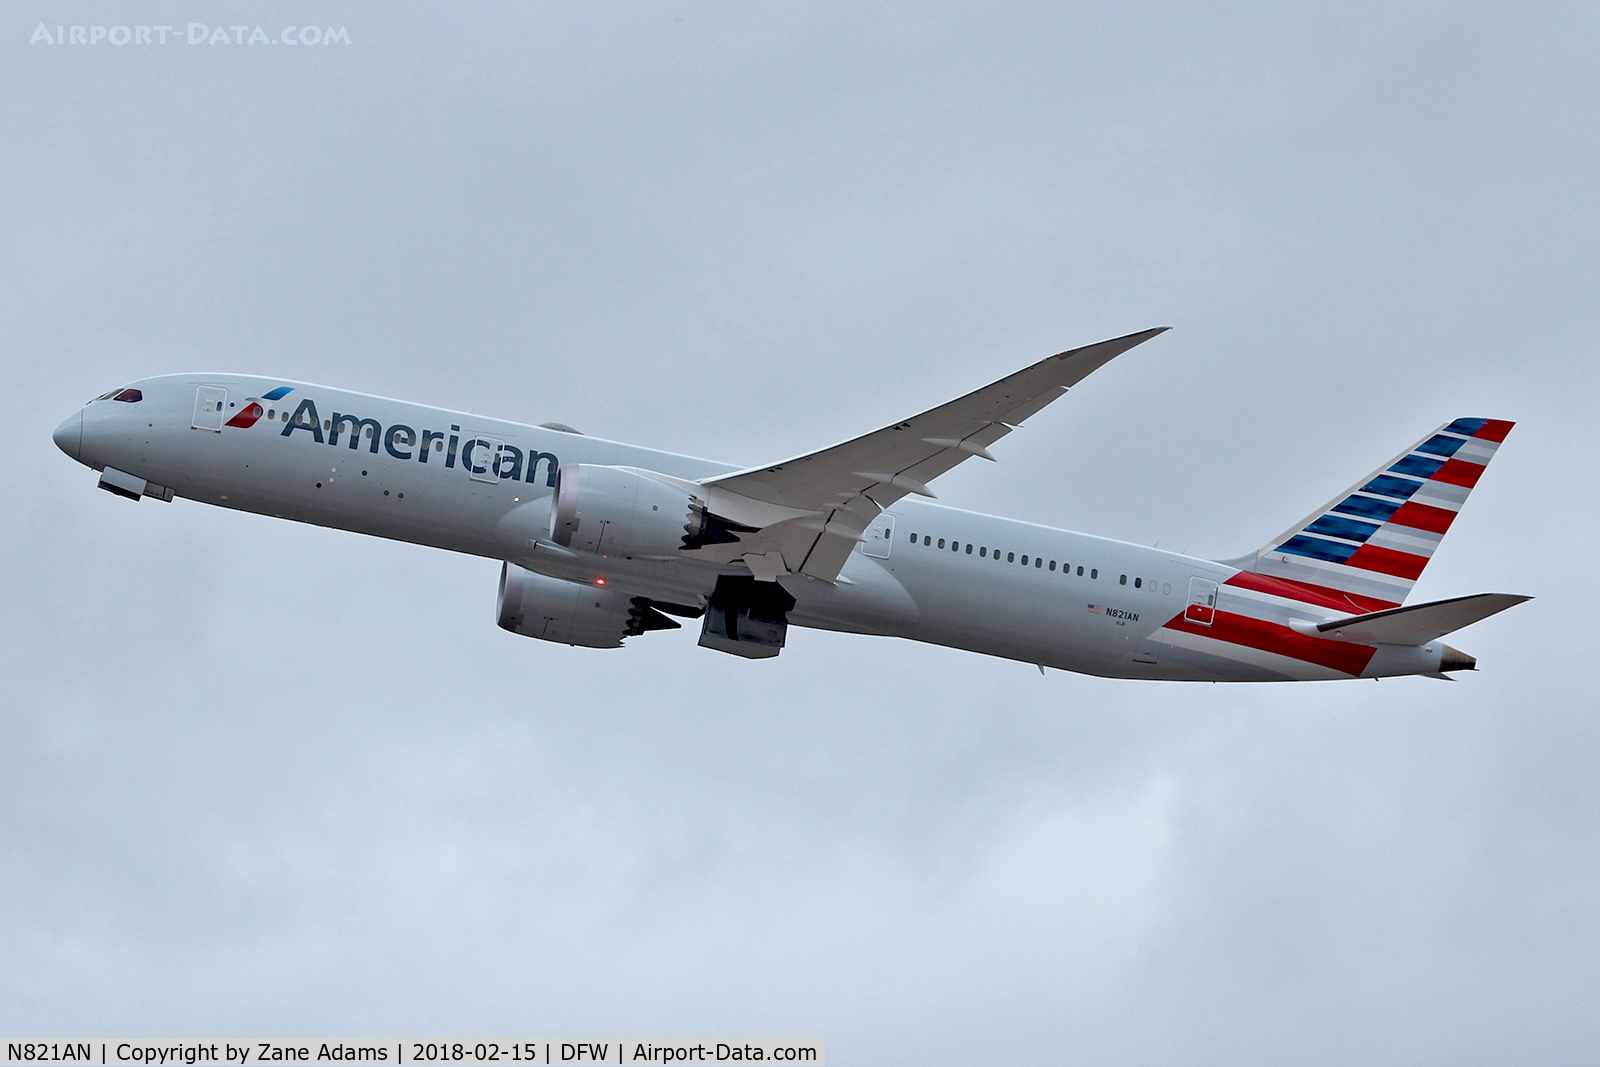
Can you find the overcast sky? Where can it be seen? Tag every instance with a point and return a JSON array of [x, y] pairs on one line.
[[266, 780]]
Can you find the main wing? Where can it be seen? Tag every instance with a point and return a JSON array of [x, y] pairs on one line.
[[806, 514]]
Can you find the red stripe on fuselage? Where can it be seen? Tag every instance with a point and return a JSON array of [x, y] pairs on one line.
[[1320, 595], [1459, 472], [1342, 656], [1387, 561], [1423, 517], [1494, 430]]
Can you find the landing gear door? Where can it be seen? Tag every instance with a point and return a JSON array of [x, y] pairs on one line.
[[1202, 609], [210, 405], [880, 535]]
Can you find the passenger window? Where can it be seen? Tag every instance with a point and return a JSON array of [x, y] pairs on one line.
[[955, 546], [1038, 561], [969, 548], [1095, 573], [1052, 564], [984, 551], [1138, 582], [941, 542], [913, 538], [1123, 580], [272, 413], [1080, 572], [1011, 557], [1024, 561]]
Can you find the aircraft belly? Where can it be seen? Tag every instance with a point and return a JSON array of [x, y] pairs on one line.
[[869, 599], [1199, 657], [1035, 614], [1011, 617], [363, 495]]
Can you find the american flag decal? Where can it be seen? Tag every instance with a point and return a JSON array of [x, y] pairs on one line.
[[1096, 609]]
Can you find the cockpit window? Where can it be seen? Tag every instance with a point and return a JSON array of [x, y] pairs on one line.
[[129, 396]]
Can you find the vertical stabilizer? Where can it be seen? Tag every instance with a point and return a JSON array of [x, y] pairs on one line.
[[1369, 545]]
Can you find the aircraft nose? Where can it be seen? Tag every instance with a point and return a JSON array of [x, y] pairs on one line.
[[69, 435]]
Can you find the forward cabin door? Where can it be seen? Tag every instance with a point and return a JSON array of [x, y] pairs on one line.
[[1202, 607], [210, 407]]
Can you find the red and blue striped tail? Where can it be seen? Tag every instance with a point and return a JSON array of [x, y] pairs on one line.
[[1369, 545]]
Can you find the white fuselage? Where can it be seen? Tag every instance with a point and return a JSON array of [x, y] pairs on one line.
[[1078, 603]]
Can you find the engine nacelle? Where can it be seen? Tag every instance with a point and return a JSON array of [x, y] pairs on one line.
[[568, 613], [615, 511]]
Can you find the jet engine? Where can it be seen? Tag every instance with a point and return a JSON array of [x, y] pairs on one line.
[[615, 511], [551, 609]]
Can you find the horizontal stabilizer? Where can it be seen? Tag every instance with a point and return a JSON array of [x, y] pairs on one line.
[[1420, 623]]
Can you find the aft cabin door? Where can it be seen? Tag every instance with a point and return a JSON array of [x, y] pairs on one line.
[[210, 404], [1202, 607]]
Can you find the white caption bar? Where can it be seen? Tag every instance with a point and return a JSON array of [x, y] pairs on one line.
[[399, 1053]]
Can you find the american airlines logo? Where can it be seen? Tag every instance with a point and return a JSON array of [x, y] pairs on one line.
[[484, 458], [253, 411]]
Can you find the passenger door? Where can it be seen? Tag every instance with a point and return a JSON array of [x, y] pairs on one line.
[[210, 407], [1202, 607], [880, 536]]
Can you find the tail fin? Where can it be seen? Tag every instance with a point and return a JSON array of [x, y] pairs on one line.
[[1369, 544]]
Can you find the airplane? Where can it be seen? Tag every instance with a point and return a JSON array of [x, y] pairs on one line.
[[600, 541]]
